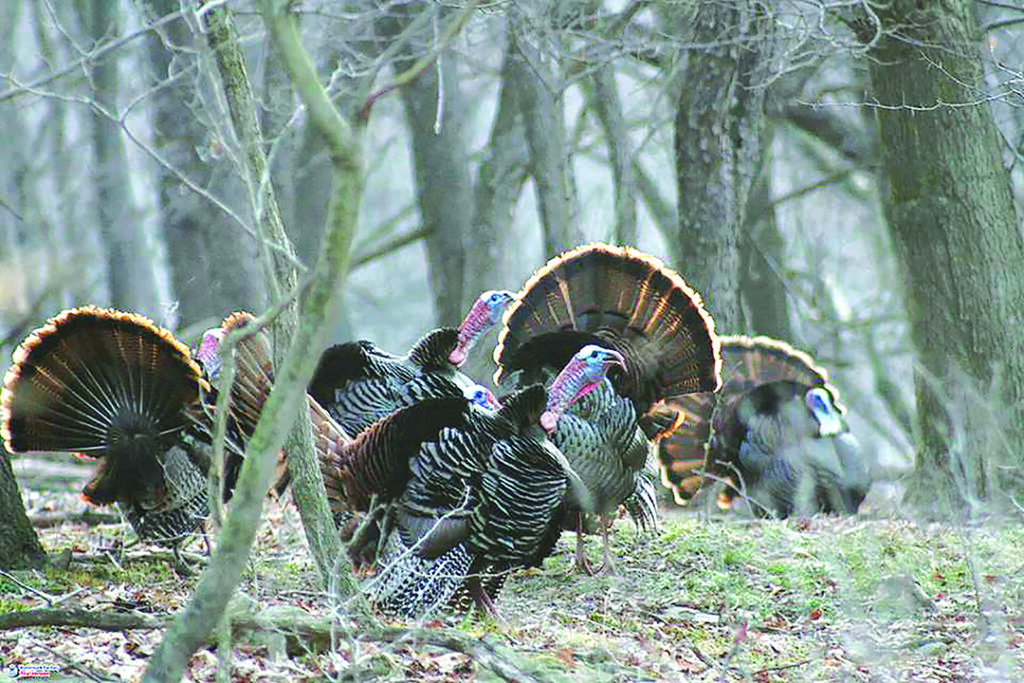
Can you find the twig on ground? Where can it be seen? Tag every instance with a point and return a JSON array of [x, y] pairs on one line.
[[87, 671], [113, 560], [106, 556], [302, 594], [50, 599], [702, 657], [781, 667]]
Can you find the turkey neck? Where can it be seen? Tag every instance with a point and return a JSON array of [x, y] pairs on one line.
[[567, 388]]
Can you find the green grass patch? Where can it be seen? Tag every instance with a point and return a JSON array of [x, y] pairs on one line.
[[828, 598]]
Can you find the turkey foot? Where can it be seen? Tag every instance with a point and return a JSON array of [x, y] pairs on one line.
[[483, 601], [582, 564]]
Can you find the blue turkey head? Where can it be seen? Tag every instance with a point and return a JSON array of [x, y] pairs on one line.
[[819, 402], [593, 363], [581, 375], [495, 301], [482, 396], [485, 314]]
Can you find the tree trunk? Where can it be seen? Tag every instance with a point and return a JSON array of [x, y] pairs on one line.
[[17, 243], [211, 273], [184, 216], [608, 104], [951, 215], [279, 266], [19, 545], [130, 262], [283, 141], [536, 77], [718, 147], [762, 254], [444, 190], [499, 182], [192, 627], [75, 240]]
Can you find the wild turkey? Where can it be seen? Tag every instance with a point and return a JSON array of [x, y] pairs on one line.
[[253, 381], [628, 301], [776, 432], [470, 493], [359, 383], [115, 387]]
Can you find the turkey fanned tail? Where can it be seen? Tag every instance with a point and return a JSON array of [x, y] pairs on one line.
[[621, 298], [115, 387], [775, 433]]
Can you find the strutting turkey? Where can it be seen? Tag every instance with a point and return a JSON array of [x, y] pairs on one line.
[[470, 493], [113, 386], [359, 383], [630, 302], [775, 433], [252, 382]]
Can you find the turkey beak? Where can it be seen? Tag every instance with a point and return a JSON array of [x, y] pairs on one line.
[[614, 358]]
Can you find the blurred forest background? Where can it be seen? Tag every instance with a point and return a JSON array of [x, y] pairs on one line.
[[745, 143]]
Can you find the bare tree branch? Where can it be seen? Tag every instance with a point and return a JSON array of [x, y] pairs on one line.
[[93, 55], [193, 626], [661, 210], [420, 65], [825, 123], [392, 245]]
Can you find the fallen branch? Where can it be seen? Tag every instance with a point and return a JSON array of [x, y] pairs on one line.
[[83, 669], [302, 630], [146, 555], [81, 618], [88, 517], [485, 653]]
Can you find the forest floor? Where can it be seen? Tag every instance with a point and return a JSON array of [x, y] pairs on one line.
[[707, 599]]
